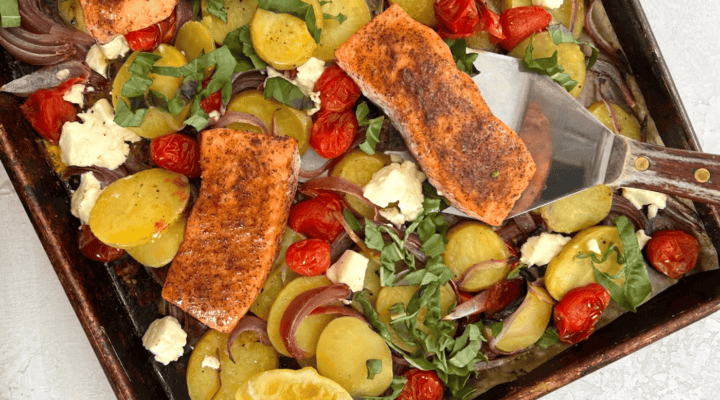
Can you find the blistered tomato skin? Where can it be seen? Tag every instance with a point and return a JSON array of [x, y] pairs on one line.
[[457, 18], [579, 310], [421, 385], [308, 257], [338, 92], [147, 39], [47, 111], [314, 217], [177, 153], [518, 23], [332, 133], [673, 252], [94, 249]]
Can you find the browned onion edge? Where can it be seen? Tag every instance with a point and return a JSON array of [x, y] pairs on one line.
[[474, 305], [597, 38], [480, 265], [248, 323], [231, 117], [338, 184], [344, 311]]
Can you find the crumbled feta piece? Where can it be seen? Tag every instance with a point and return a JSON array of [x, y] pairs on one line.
[[551, 4], [62, 74], [116, 48], [639, 198], [97, 140], [593, 246], [166, 339], [84, 198], [349, 269], [540, 250], [393, 215], [75, 95], [401, 183], [642, 238], [210, 362], [96, 60]]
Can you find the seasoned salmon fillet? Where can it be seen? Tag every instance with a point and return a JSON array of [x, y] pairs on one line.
[[105, 19], [234, 230], [469, 155]]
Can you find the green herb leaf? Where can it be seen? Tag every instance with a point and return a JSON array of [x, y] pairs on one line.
[[372, 134], [548, 66], [463, 59], [351, 220], [10, 13], [467, 346], [217, 8], [240, 45], [340, 17], [374, 367], [616, 292], [548, 338], [297, 8], [637, 281], [516, 272], [559, 35], [496, 328], [139, 82], [373, 236], [397, 385], [126, 117], [283, 91], [195, 9], [361, 113]]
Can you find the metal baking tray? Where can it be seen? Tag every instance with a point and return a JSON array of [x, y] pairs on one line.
[[116, 303]]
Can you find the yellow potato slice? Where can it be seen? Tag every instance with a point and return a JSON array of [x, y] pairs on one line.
[[335, 33], [193, 39], [470, 243], [578, 211], [528, 323], [358, 167], [629, 126], [420, 10], [162, 250], [238, 12]]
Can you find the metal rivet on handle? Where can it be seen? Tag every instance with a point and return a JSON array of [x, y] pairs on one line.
[[642, 163], [702, 175]]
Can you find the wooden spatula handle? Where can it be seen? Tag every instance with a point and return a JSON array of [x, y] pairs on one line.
[[683, 173]]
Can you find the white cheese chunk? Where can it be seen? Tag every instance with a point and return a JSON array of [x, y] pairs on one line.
[[642, 238], [210, 362], [639, 198], [594, 246], [307, 75], [540, 250], [116, 48], [401, 183], [551, 4], [75, 95], [62, 74], [349, 269], [84, 198], [96, 60], [165, 339], [97, 140]]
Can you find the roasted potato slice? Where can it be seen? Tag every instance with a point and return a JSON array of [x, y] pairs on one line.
[[578, 211], [335, 33]]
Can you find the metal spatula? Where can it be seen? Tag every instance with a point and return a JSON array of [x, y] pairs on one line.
[[574, 151]]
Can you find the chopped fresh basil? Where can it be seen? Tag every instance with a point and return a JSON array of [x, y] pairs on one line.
[[126, 117], [297, 8], [548, 338], [10, 14], [559, 35], [372, 133], [217, 8], [286, 93], [496, 328], [340, 17], [374, 367], [352, 222], [516, 272], [463, 59], [397, 385], [139, 81], [240, 45], [195, 9]]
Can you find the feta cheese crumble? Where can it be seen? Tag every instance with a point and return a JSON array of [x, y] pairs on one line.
[[551, 4], [593, 246], [99, 55], [401, 183], [540, 250], [210, 362], [75, 95], [98, 140], [165, 339], [639, 198], [84, 198], [349, 269], [642, 238]]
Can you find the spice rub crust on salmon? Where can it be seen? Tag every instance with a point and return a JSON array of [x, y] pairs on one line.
[[468, 154], [105, 19], [234, 230]]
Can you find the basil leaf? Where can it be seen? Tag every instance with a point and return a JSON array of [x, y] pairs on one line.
[[351, 220], [372, 135], [297, 8], [548, 66], [361, 113], [340, 17], [217, 8], [467, 354], [283, 91], [463, 59], [616, 292], [139, 82], [240, 45], [126, 117], [516, 272], [175, 105], [397, 385], [559, 35], [10, 13], [637, 281], [374, 367], [496, 328], [195, 9], [548, 338]]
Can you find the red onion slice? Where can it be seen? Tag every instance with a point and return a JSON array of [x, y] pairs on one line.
[[32, 53], [337, 184], [231, 117], [314, 173], [35, 20], [248, 323], [342, 311], [301, 306], [349, 232], [475, 305], [610, 108], [573, 16], [489, 264], [600, 41]]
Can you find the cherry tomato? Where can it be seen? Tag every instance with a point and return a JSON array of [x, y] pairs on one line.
[[502, 294], [579, 310], [519, 23], [673, 252], [313, 217], [94, 249], [177, 153], [457, 18], [422, 385], [147, 39], [332, 133], [490, 21], [337, 90], [212, 102], [48, 112], [308, 257]]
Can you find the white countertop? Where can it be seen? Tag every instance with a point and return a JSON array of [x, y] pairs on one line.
[[44, 353]]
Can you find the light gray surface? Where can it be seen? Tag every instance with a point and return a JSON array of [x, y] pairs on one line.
[[44, 353]]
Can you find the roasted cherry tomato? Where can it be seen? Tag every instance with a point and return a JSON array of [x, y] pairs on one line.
[[519, 23], [673, 252], [337, 90], [457, 18], [490, 21], [213, 102], [147, 39], [47, 111], [94, 249], [332, 133], [314, 218], [502, 294], [421, 385], [177, 153], [579, 310], [308, 257]]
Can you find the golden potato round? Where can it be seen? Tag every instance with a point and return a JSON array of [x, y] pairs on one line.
[[358, 167], [193, 40], [578, 211], [528, 322], [238, 12], [470, 243], [629, 127], [335, 33], [420, 10], [162, 250]]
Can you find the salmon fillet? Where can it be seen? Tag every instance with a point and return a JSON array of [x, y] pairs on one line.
[[234, 230], [469, 155], [105, 19]]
